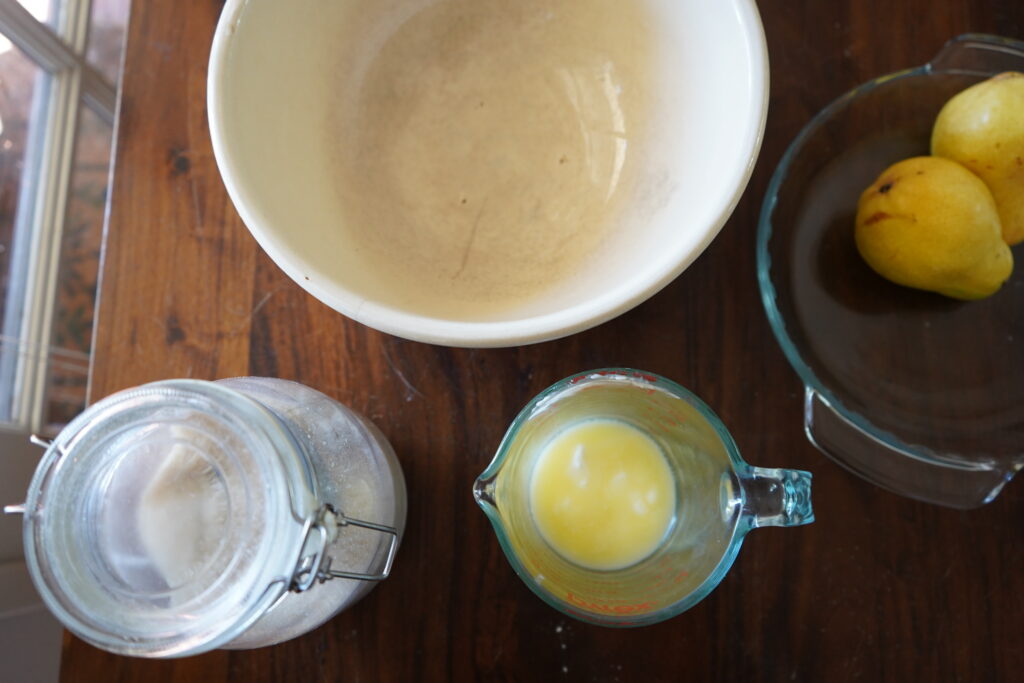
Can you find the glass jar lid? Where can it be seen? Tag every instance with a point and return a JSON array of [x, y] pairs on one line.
[[164, 520]]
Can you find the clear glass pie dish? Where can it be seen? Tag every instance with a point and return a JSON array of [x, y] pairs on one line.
[[920, 394]]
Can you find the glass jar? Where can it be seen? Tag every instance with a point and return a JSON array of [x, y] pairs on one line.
[[185, 515]]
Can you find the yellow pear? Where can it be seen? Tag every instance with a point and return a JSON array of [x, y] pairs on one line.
[[929, 223], [982, 127]]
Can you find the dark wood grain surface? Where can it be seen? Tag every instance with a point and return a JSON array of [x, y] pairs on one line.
[[878, 589]]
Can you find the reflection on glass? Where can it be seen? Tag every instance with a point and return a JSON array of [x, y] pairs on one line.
[[106, 36], [79, 269]]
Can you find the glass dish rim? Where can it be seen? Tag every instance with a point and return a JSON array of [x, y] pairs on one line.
[[769, 296]]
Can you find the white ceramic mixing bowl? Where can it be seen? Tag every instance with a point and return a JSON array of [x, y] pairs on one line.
[[268, 107]]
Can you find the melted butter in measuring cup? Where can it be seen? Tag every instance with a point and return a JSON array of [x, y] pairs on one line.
[[602, 494]]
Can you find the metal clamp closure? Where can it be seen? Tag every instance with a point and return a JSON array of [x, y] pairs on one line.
[[19, 508], [315, 565]]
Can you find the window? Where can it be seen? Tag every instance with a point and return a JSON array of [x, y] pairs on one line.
[[58, 67]]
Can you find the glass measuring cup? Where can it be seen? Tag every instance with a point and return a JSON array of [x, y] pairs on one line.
[[719, 498]]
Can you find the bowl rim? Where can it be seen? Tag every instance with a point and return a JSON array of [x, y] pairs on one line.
[[499, 333], [776, 320]]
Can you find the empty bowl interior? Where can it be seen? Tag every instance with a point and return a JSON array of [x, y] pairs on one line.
[[270, 110]]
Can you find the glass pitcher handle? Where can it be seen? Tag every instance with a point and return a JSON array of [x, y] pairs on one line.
[[979, 53], [912, 473], [776, 497]]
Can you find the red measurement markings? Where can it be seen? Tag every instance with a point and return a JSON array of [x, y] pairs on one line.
[[606, 608]]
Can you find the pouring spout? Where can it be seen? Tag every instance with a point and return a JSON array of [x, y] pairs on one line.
[[483, 492], [777, 497]]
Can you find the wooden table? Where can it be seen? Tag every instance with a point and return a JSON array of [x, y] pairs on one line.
[[879, 588]]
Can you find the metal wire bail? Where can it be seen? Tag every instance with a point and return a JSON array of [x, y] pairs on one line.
[[35, 440], [316, 566]]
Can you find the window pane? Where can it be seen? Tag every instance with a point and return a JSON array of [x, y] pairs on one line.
[[43, 10], [106, 36], [18, 76], [23, 91], [79, 269], [40, 9]]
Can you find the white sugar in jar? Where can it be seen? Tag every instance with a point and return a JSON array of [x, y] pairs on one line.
[[183, 516], [357, 467]]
